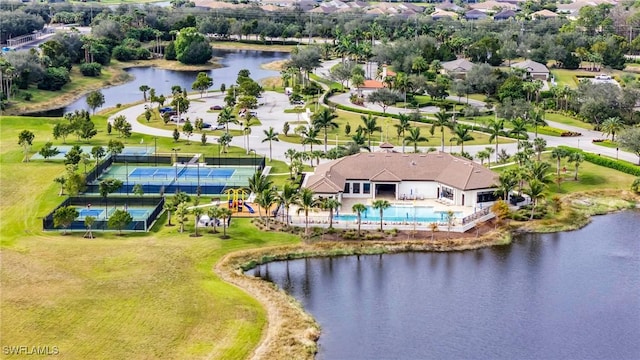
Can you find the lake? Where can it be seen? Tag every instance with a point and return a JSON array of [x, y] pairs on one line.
[[572, 295], [162, 80]]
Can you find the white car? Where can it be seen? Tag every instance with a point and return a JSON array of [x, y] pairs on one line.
[[603, 77], [175, 118]]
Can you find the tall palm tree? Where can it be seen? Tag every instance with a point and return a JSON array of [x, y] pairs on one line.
[[309, 136], [270, 135], [359, 209], [414, 138], [537, 119], [265, 200], [483, 155], [519, 130], [462, 134], [539, 144], [576, 158], [507, 181], [214, 213], [496, 129], [197, 213], [558, 154], [539, 170], [402, 126], [370, 126], [287, 197], [324, 120], [332, 205], [611, 126], [306, 202], [225, 214], [359, 140], [226, 117], [381, 205], [535, 192], [258, 183], [441, 121], [144, 89]]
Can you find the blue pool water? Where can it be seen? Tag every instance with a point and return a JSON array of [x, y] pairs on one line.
[[402, 213]]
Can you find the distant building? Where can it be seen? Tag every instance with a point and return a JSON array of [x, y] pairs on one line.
[[505, 15], [475, 15], [493, 6], [544, 14], [457, 68], [443, 14], [534, 69]]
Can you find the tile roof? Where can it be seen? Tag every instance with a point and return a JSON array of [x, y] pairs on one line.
[[531, 66], [442, 167], [461, 64]]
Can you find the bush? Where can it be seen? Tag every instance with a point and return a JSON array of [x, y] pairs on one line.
[[28, 96], [91, 69], [619, 165], [54, 79], [570, 134]]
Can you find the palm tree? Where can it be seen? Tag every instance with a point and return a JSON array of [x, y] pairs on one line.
[[270, 135], [370, 126], [381, 205], [537, 119], [507, 181], [225, 214], [611, 126], [286, 198], [462, 134], [359, 140], [61, 180], [576, 158], [558, 154], [197, 213], [182, 210], [442, 121], [332, 205], [483, 155], [539, 144], [535, 192], [324, 120], [306, 202], [414, 138], [265, 200], [310, 134], [226, 117], [258, 183], [359, 209], [214, 213], [88, 223], [519, 130], [539, 170], [496, 129], [144, 89], [402, 127]]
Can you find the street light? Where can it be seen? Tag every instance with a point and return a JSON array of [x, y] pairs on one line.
[[175, 162], [617, 149], [255, 166]]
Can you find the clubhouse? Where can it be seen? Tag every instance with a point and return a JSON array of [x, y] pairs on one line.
[[397, 176]]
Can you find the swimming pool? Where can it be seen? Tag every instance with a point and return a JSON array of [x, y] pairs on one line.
[[402, 213]]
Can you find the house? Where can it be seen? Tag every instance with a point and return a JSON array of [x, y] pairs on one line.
[[389, 174], [443, 14], [505, 15], [492, 6], [475, 15], [544, 14], [449, 6], [535, 70], [457, 68]]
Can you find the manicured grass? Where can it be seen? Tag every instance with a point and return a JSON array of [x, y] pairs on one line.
[[137, 296], [567, 120], [329, 83], [606, 143]]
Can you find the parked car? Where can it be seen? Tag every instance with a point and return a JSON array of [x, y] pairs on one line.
[[165, 109], [206, 125], [603, 77], [297, 102], [218, 127], [175, 118], [216, 107]]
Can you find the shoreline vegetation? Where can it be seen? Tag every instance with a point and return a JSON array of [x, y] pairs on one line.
[[293, 333]]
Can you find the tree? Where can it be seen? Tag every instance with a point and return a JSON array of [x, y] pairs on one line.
[[306, 202], [138, 190], [324, 120], [270, 135], [61, 130], [214, 213], [286, 128], [197, 213], [265, 199], [537, 119], [611, 126], [507, 181], [630, 140], [202, 83], [60, 180], [576, 158], [519, 130], [309, 136], [122, 126], [381, 205], [115, 147], [501, 210], [119, 220], [402, 127], [384, 98], [224, 141], [226, 117], [462, 134], [88, 223], [496, 129], [332, 205], [359, 209], [192, 47], [175, 135], [370, 126], [287, 197], [558, 154], [414, 138], [48, 151], [635, 186], [539, 145], [203, 139], [539, 170], [95, 99], [483, 155], [187, 130], [225, 214], [536, 192], [182, 211], [106, 187], [73, 156], [64, 217], [144, 89], [441, 121], [25, 139], [450, 218]]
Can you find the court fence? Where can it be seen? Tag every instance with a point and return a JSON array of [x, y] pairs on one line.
[[101, 224]]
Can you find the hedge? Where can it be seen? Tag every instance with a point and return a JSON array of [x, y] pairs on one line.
[[610, 163]]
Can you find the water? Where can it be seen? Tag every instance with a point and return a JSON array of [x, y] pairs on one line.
[[402, 213], [573, 295], [162, 80]]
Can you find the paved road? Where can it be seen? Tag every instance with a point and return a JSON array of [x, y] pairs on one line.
[[271, 113]]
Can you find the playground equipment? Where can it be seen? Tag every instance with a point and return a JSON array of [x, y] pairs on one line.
[[236, 199]]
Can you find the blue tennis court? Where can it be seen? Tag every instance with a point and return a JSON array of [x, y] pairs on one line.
[[90, 212], [137, 213]]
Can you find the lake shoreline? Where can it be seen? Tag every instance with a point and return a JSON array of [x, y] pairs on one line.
[[291, 332]]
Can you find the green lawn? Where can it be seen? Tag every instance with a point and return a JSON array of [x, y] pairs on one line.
[[607, 143], [567, 120], [139, 296]]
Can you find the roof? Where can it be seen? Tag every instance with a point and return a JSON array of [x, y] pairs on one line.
[[531, 66], [443, 13], [491, 4], [441, 167], [505, 14], [447, 5], [544, 13], [458, 65], [372, 84], [475, 14]]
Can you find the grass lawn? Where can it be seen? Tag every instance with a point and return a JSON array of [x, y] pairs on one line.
[[138, 296], [607, 143], [567, 120]]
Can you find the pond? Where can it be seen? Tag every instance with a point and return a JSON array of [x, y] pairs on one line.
[[162, 80], [553, 296]]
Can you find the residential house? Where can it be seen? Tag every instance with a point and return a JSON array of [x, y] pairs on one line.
[[535, 70], [457, 68]]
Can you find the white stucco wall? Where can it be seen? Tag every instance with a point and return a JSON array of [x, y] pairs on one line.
[[428, 189]]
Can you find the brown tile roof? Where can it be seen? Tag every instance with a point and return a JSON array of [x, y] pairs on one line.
[[372, 84], [442, 167]]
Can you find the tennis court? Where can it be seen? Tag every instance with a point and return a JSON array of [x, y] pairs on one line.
[[188, 178], [137, 213]]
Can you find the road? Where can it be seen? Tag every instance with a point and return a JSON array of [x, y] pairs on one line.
[[271, 113]]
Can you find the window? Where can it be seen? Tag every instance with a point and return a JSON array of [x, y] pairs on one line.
[[366, 188], [346, 188], [447, 193], [486, 196], [356, 188]]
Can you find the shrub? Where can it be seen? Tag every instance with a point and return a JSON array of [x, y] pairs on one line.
[[570, 134], [91, 69], [54, 79], [28, 96], [619, 165]]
